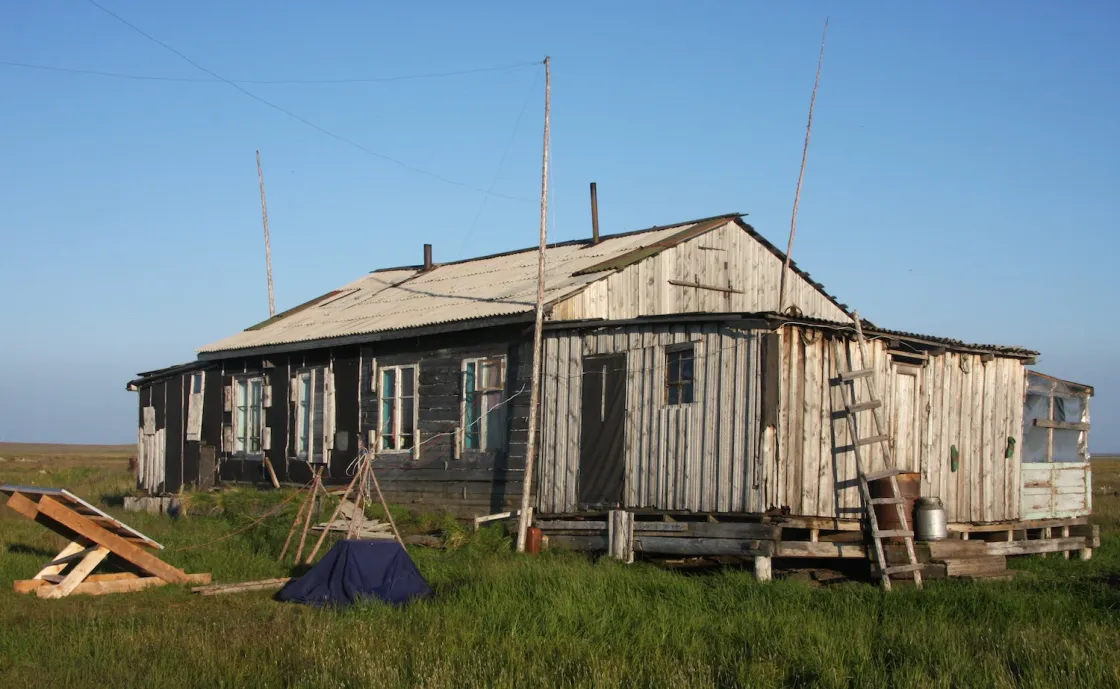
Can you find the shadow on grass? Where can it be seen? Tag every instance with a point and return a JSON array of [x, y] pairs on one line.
[[20, 549]]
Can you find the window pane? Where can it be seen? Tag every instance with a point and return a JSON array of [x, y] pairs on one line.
[[1065, 446], [406, 442], [407, 415], [686, 365], [492, 374], [674, 394], [389, 383], [494, 431], [196, 383], [686, 393], [388, 420], [471, 424], [303, 443], [674, 374], [468, 384], [408, 382]]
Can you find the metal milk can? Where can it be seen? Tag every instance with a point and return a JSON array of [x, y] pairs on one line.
[[930, 523]]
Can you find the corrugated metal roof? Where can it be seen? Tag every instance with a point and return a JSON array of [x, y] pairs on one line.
[[872, 329], [487, 287]]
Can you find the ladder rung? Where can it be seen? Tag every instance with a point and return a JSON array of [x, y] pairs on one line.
[[884, 473], [861, 373], [887, 501], [871, 439], [898, 569], [864, 406], [893, 533]]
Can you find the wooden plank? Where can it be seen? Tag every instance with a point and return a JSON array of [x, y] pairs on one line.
[[697, 285], [1062, 425], [75, 576], [241, 587], [669, 545], [812, 396], [976, 566], [29, 585], [822, 549], [72, 549], [120, 547], [1016, 525], [566, 525], [848, 376], [123, 585]]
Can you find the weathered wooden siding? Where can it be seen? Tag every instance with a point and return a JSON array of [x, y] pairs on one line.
[[953, 400], [683, 457], [737, 274], [1056, 490]]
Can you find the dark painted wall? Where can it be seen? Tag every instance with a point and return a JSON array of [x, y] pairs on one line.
[[476, 482]]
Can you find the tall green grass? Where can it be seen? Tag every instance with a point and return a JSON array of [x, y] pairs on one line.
[[559, 619]]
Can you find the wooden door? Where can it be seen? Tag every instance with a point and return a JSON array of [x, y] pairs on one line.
[[602, 436], [905, 416]]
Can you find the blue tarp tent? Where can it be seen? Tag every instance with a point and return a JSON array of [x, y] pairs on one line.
[[359, 569]]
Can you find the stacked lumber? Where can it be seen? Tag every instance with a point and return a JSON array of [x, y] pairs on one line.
[[365, 529], [957, 558]]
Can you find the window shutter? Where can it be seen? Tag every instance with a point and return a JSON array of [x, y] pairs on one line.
[[328, 410], [227, 398], [373, 376], [266, 441], [372, 440], [266, 396], [293, 390], [227, 437]]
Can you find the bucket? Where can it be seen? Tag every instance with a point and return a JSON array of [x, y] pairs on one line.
[[929, 520], [533, 540], [909, 489]]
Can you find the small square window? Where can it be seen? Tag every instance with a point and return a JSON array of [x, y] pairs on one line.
[[679, 377]]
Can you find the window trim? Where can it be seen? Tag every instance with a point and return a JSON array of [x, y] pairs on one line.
[[670, 350], [296, 395], [244, 452], [483, 445], [397, 398]]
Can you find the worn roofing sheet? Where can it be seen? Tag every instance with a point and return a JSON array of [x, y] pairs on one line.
[[493, 286]]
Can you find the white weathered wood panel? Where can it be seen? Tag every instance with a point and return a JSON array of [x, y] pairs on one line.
[[955, 401], [1055, 490], [735, 273]]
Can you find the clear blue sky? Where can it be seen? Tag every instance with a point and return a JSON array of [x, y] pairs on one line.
[[962, 176]]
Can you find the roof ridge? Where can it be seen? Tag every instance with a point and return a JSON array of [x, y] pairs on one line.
[[567, 242]]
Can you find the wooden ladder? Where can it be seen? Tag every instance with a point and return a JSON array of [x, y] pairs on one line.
[[852, 407]]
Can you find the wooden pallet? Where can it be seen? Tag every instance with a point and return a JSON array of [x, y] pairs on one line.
[[93, 536]]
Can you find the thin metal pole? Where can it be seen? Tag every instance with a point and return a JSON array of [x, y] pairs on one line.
[[800, 177], [525, 518], [267, 243]]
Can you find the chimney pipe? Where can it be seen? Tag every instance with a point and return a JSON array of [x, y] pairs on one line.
[[427, 257], [594, 214]]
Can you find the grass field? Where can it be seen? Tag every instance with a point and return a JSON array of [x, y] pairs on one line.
[[502, 620]]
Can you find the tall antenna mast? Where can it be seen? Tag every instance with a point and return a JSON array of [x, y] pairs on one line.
[[267, 243], [525, 516], [800, 177]]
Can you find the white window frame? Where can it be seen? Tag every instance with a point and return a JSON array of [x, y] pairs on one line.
[[241, 440], [395, 431], [301, 396], [485, 443]]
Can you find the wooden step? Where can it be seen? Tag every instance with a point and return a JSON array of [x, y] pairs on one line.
[[872, 439], [864, 406], [893, 533], [883, 473], [859, 373], [899, 569], [887, 501]]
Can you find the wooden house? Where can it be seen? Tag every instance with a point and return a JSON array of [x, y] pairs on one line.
[[671, 389]]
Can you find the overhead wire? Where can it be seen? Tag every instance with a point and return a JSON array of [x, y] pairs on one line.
[[267, 82], [501, 163], [298, 118]]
